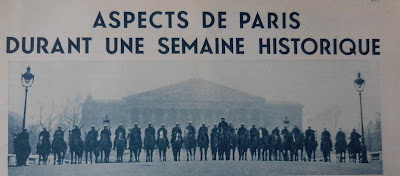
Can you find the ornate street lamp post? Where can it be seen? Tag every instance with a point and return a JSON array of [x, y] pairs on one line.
[[359, 84], [27, 80]]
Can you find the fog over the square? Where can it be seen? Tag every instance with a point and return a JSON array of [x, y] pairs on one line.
[[325, 88]]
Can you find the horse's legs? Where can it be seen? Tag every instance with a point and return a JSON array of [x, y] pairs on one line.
[[314, 155], [205, 153], [151, 156], [194, 153], [201, 154], [91, 157]]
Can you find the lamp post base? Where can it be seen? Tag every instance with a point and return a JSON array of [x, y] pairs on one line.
[[364, 154]]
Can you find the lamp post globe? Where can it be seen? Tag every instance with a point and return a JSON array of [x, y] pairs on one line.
[[27, 80], [359, 84]]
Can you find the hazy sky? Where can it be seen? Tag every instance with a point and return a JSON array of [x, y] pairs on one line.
[[325, 88]]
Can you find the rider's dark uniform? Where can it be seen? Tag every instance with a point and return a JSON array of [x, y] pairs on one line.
[[264, 132], [275, 131], [150, 131], [222, 126], [24, 136], [309, 133], [241, 131], [106, 132], [296, 131], [325, 135], [45, 135], [340, 135], [117, 132], [136, 131], [76, 132], [191, 130], [93, 134], [214, 132], [254, 134], [355, 135], [58, 134], [203, 131], [175, 131], [285, 131]]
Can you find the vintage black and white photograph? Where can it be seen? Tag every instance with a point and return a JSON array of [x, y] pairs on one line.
[[225, 117]]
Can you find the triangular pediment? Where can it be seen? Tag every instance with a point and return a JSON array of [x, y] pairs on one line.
[[195, 90]]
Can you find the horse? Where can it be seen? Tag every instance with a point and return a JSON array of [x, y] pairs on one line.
[[176, 144], [22, 149], [263, 146], [91, 146], [286, 145], [243, 145], [162, 144], [43, 149], [310, 146], [105, 146], [254, 146], [76, 148], [326, 148], [149, 145], [223, 145], [203, 145], [190, 145], [233, 144], [274, 143], [340, 147], [59, 149], [214, 145], [135, 146], [120, 145], [354, 148], [298, 144]]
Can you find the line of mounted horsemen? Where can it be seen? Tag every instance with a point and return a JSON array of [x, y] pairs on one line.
[[224, 140]]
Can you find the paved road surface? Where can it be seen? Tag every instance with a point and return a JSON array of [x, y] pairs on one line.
[[203, 168]]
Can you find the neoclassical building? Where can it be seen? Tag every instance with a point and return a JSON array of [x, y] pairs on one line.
[[194, 100]]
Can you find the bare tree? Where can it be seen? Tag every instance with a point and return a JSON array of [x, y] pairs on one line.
[[50, 117], [72, 114]]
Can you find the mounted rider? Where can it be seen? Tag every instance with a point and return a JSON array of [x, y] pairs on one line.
[[241, 130], [203, 131], [222, 125], [76, 132], [231, 129], [296, 131], [175, 131], [285, 130], [354, 135], [136, 130], [24, 135], [275, 131], [59, 134], [264, 131], [214, 131], [254, 133], [164, 130], [190, 129], [120, 130], [325, 135], [93, 133], [106, 132], [309, 132], [45, 135], [340, 135], [150, 131]]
